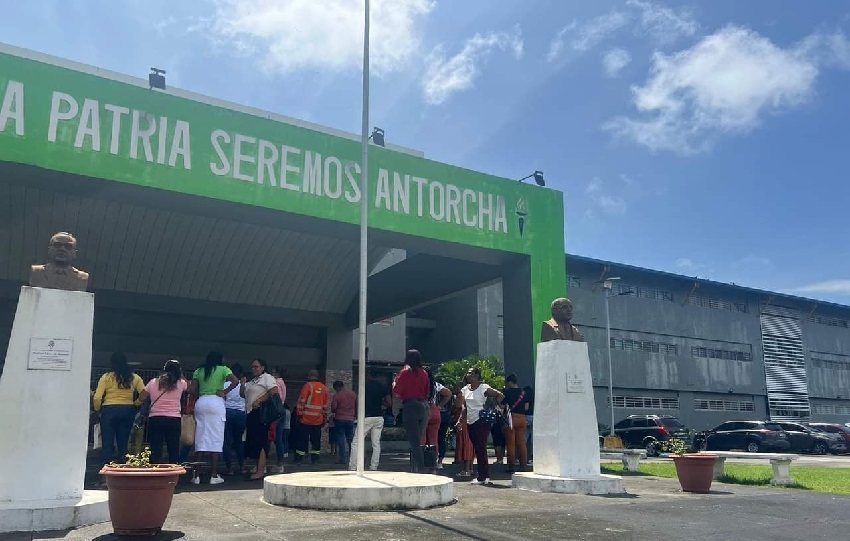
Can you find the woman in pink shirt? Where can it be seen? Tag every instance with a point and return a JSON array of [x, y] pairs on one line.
[[165, 392]]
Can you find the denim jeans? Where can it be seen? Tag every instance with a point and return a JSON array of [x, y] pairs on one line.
[[234, 428], [373, 426], [415, 420], [281, 435], [344, 435], [116, 421]]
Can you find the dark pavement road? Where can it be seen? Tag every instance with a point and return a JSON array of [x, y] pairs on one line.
[[654, 509]]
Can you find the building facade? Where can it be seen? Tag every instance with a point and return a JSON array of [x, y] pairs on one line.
[[703, 351]]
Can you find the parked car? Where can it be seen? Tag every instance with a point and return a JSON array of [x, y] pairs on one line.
[[645, 431], [835, 428], [753, 436], [805, 439]]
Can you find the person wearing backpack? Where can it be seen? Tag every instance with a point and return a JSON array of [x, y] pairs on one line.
[[516, 401]]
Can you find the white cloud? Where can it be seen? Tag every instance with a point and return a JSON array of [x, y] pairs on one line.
[[829, 50], [615, 60], [664, 24], [588, 35], [840, 287], [610, 204], [754, 260], [594, 186], [597, 29], [606, 203], [446, 75], [327, 35], [557, 44], [685, 264], [726, 83]]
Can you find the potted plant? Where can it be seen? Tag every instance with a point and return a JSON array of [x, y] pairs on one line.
[[140, 493], [694, 470]]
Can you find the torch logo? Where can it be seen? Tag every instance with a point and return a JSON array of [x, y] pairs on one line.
[[521, 213]]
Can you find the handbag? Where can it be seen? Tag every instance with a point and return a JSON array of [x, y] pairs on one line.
[[272, 409], [489, 415], [141, 418], [97, 439], [187, 430]]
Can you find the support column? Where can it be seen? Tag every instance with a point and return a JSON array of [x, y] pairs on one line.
[[518, 324], [338, 365]]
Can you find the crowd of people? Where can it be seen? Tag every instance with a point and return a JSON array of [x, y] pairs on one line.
[[227, 418]]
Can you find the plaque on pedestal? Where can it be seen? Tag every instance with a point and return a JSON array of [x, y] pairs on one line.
[[44, 390]]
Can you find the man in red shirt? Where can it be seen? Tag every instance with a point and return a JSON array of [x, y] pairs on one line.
[[413, 386], [344, 409]]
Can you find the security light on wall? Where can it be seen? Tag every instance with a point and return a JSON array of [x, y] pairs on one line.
[[156, 78], [377, 136], [538, 178]]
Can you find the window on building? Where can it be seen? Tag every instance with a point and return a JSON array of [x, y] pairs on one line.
[[646, 402], [729, 355], [837, 362], [647, 346], [830, 409], [717, 304], [829, 321], [619, 288], [573, 281], [723, 405]]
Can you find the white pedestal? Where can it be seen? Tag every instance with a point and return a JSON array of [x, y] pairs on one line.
[[566, 437], [347, 491], [44, 391]]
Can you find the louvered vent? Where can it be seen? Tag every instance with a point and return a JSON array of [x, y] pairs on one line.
[[784, 364]]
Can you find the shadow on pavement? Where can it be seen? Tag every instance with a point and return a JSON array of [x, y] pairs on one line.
[[161, 536], [457, 533]]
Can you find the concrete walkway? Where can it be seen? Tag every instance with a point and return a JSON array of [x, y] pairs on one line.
[[654, 509]]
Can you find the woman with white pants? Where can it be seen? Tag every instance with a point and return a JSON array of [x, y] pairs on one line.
[[210, 415]]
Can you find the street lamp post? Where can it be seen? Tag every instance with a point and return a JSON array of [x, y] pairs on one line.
[[364, 230], [607, 286]]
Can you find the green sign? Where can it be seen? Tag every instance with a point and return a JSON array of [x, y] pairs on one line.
[[70, 119]]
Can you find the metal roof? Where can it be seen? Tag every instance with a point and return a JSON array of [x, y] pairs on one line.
[[673, 276]]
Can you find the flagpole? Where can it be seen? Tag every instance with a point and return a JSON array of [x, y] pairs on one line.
[[364, 229]]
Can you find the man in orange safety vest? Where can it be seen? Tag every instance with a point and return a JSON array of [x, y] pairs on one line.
[[312, 413]]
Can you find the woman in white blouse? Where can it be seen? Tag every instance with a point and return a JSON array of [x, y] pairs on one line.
[[256, 391], [475, 394]]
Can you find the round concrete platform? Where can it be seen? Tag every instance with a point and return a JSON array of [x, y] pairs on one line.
[[374, 491], [602, 484], [30, 516]]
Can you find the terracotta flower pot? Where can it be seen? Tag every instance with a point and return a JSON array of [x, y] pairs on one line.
[[139, 498], [695, 471]]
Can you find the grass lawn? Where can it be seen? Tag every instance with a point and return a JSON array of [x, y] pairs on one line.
[[827, 480]]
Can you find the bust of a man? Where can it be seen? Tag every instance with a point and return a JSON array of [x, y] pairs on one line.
[[559, 327], [58, 272]]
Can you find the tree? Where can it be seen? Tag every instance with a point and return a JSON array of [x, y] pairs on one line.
[[451, 373]]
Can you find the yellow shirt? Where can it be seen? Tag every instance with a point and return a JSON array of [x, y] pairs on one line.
[[108, 392]]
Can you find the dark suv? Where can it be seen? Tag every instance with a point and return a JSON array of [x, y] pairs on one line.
[[754, 436], [812, 440], [647, 430]]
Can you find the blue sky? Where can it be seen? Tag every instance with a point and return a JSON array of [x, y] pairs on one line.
[[705, 138]]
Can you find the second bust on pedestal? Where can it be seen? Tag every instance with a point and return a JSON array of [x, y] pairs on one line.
[[560, 326]]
